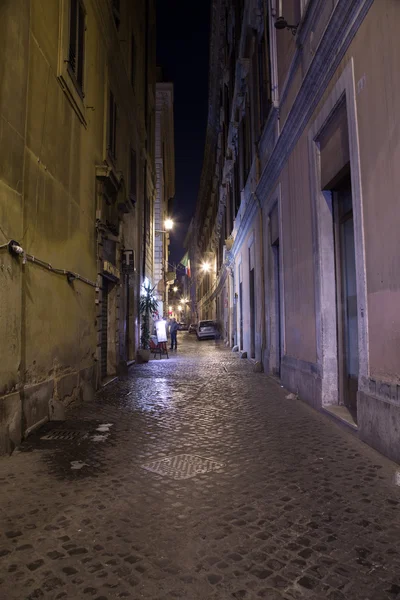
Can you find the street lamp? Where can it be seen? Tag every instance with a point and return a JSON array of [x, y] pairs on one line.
[[175, 288], [205, 267], [180, 308], [168, 225]]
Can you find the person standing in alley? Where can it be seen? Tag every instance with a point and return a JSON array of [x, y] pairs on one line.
[[173, 329]]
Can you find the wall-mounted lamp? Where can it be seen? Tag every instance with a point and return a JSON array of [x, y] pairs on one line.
[[168, 225], [205, 267], [281, 23]]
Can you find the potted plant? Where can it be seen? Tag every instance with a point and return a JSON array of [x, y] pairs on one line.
[[148, 308]]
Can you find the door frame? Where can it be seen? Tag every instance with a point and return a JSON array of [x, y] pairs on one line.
[[276, 278], [325, 288], [339, 220], [276, 343], [252, 297], [240, 298]]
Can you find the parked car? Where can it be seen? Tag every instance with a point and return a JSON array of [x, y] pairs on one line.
[[183, 327], [192, 328], [206, 329]]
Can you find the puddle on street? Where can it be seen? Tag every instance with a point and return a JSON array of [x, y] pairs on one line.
[[155, 395]]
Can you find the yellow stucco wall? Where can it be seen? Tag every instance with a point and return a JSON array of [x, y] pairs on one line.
[[48, 195]]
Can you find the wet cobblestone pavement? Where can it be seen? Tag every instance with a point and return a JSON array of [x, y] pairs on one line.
[[196, 478]]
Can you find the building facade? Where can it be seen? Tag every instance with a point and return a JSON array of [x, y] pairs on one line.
[[77, 189], [295, 246], [165, 186]]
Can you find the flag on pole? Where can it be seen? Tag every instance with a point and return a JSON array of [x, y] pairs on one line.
[[185, 262]]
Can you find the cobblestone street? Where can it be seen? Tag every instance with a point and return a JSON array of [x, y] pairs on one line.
[[196, 478]]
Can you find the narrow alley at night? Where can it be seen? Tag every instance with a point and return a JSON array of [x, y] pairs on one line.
[[199, 299], [198, 479]]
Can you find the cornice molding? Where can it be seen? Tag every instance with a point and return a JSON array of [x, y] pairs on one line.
[[341, 29]]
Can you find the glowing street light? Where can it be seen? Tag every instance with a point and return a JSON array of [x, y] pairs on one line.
[[170, 308], [205, 267], [168, 224], [175, 288], [179, 307]]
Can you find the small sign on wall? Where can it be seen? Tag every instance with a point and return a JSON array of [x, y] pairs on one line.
[[128, 261], [110, 269]]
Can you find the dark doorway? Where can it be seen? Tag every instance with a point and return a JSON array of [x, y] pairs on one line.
[[241, 314], [104, 329], [252, 316], [127, 319], [346, 294], [277, 295]]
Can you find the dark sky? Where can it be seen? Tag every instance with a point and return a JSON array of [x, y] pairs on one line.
[[182, 52]]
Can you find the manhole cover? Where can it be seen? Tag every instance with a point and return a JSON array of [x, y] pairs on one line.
[[64, 434], [183, 466]]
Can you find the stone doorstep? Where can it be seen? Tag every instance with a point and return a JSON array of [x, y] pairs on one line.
[[342, 414]]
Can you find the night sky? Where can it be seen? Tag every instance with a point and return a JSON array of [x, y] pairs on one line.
[[182, 52]]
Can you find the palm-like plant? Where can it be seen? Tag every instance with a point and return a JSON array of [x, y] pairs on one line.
[[148, 307]]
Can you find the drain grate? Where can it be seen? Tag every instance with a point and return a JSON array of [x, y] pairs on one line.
[[183, 466], [64, 434]]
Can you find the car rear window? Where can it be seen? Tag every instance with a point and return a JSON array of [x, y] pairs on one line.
[[206, 324]]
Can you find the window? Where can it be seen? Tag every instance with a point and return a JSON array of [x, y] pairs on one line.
[[71, 54], [133, 61], [132, 177], [264, 85], [236, 193], [112, 128], [77, 42], [116, 12]]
